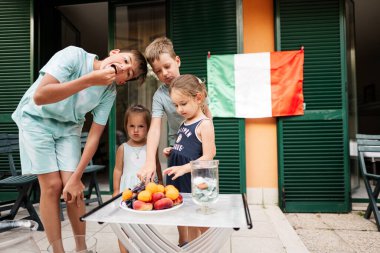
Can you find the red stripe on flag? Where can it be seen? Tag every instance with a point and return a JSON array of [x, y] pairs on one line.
[[286, 82]]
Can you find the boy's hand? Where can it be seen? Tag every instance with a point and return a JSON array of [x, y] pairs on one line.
[[146, 173], [177, 171], [102, 76], [73, 192], [167, 151]]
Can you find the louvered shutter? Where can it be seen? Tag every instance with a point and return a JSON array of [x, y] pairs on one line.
[[195, 28], [15, 65], [313, 155]]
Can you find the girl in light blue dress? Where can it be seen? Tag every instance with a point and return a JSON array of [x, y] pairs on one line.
[[130, 156]]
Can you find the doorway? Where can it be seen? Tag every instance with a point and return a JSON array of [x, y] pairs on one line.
[[363, 58], [86, 26], [98, 27]]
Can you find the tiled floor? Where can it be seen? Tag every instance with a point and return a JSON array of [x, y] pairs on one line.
[[271, 233]]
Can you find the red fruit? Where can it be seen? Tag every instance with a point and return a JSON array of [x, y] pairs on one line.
[[157, 196], [178, 200], [142, 206], [163, 203]]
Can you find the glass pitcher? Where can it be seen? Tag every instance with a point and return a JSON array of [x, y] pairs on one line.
[[204, 184]]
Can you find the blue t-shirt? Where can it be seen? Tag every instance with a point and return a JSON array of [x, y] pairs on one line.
[[66, 65], [162, 104]]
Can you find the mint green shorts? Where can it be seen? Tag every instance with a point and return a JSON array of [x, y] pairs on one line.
[[44, 152]]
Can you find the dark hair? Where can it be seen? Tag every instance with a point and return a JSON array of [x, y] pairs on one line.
[[142, 65], [137, 109]]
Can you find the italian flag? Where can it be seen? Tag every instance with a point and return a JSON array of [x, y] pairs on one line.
[[256, 85]]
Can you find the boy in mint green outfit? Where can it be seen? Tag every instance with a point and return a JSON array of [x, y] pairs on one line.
[[50, 118]]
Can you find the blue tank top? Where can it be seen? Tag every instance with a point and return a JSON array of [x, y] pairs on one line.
[[187, 148]]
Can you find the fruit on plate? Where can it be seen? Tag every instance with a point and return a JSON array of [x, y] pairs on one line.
[[172, 193], [138, 188], [127, 194], [152, 187], [152, 197], [169, 186], [142, 206], [145, 196], [178, 200], [164, 203], [157, 196], [160, 188]]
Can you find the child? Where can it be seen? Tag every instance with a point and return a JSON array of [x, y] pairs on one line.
[[50, 118], [130, 156], [196, 138], [165, 64]]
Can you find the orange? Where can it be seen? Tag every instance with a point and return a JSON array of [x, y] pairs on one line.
[[127, 194], [169, 186], [160, 188], [172, 194], [145, 196], [152, 187]]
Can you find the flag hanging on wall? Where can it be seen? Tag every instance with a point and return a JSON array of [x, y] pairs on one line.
[[256, 85]]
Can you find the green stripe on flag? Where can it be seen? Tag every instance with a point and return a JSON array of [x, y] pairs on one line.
[[221, 85]]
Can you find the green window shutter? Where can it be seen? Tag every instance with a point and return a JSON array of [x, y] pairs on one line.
[[197, 27], [15, 65], [313, 155]]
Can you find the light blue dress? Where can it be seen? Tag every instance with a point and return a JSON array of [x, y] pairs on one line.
[[134, 159]]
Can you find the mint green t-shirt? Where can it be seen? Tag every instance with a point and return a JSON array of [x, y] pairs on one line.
[[66, 116]]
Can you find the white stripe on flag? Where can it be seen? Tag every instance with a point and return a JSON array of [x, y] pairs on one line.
[[253, 85]]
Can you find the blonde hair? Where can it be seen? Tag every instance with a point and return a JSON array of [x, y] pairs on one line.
[[137, 109], [159, 46], [189, 85]]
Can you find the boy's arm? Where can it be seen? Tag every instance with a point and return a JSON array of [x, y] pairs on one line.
[[158, 169], [50, 90], [74, 187], [118, 170], [146, 173]]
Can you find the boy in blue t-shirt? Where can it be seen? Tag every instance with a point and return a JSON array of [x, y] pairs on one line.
[[165, 64], [50, 118]]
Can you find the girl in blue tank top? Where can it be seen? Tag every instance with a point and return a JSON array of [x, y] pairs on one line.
[[196, 138]]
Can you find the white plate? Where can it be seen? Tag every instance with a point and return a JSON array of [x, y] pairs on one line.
[[124, 206]]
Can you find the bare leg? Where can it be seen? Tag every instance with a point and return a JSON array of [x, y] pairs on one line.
[[122, 248], [203, 229], [74, 213], [182, 235], [193, 232], [51, 189]]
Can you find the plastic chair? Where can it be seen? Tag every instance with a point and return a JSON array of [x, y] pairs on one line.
[[92, 169], [23, 183], [368, 144]]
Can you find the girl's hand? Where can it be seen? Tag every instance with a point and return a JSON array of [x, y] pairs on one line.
[[167, 151], [176, 171], [73, 191], [102, 76]]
